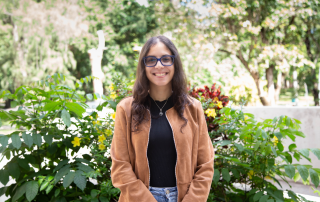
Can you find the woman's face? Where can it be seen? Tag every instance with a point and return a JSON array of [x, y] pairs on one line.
[[160, 75]]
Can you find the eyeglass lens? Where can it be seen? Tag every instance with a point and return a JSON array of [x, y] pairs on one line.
[[152, 61]]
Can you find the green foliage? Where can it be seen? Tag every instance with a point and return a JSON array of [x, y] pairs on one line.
[[251, 153], [54, 122]]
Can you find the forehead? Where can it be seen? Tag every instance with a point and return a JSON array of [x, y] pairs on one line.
[[158, 50]]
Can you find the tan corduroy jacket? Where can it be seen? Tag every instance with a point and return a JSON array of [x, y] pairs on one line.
[[195, 155]]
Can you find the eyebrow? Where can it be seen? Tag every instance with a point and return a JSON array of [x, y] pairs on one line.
[[155, 56]]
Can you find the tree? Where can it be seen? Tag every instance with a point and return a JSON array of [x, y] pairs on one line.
[[256, 32]]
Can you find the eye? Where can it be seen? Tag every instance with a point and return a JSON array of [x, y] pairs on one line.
[[151, 60]]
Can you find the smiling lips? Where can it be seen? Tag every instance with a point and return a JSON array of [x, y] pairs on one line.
[[160, 74]]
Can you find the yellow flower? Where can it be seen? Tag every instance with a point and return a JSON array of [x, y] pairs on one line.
[[111, 87], [102, 147], [219, 104], [113, 95], [101, 138], [251, 173], [211, 112], [76, 141], [90, 117], [216, 99], [113, 116], [275, 140], [108, 132], [246, 118], [267, 177]]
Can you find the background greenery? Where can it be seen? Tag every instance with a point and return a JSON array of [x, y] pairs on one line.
[[250, 47]]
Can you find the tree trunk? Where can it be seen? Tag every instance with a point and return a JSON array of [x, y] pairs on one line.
[[315, 90], [278, 86], [270, 85], [256, 77]]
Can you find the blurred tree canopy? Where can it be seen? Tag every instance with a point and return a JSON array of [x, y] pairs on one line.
[[269, 40], [44, 37]]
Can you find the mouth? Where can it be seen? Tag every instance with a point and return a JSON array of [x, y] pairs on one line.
[[161, 74]]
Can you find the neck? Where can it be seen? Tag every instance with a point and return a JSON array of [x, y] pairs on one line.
[[160, 93]]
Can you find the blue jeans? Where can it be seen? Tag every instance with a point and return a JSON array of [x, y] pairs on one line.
[[167, 194]]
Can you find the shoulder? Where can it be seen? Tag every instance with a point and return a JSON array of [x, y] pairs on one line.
[[194, 104], [125, 105]]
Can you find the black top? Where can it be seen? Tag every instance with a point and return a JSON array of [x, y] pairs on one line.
[[161, 153]]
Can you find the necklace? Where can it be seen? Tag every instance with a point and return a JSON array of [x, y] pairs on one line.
[[159, 107]]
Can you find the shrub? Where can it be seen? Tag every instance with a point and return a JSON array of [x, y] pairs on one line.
[[54, 126], [251, 153]]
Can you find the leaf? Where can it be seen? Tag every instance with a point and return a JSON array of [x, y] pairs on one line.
[[103, 199], [68, 179], [256, 145], [292, 147], [27, 139], [316, 152], [304, 152], [44, 185], [57, 192], [235, 173], [280, 146], [24, 163], [296, 177], [4, 176], [288, 120], [292, 195], [60, 164], [37, 139], [290, 170], [20, 191], [76, 108], [264, 198], [222, 143], [296, 156], [14, 169], [257, 196], [303, 171], [32, 190], [51, 106], [314, 177], [274, 151], [94, 193], [16, 142], [65, 116], [82, 160], [225, 174], [48, 139], [84, 168], [80, 180], [239, 147], [62, 172], [4, 141], [89, 96], [49, 188], [264, 134], [3, 190]]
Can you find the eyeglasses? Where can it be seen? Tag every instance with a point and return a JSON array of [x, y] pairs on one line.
[[151, 61]]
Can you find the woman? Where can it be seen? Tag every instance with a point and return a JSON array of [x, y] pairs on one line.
[[161, 150]]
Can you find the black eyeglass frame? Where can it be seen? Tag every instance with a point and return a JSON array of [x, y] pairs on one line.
[[158, 59]]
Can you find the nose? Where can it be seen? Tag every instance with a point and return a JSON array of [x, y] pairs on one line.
[[158, 65]]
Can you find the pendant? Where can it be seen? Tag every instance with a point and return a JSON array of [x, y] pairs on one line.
[[160, 112]]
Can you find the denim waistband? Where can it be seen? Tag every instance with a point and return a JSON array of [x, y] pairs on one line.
[[171, 189]]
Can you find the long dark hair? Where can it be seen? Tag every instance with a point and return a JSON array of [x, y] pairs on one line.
[[141, 86]]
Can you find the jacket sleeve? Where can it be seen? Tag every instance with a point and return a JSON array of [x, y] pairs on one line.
[[200, 185], [122, 175]]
